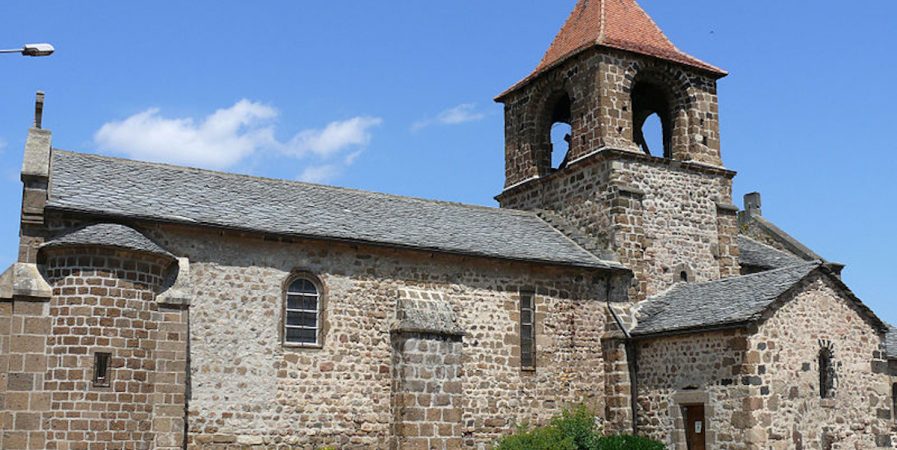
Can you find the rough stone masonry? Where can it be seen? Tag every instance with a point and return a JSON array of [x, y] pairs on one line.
[[163, 307]]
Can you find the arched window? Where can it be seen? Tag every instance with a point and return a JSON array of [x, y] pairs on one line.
[[826, 373], [560, 133], [652, 120], [302, 313]]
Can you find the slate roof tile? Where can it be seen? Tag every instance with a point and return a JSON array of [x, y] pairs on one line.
[[620, 24], [756, 254], [717, 303], [107, 235], [114, 187]]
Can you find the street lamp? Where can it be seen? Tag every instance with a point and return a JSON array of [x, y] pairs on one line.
[[32, 50]]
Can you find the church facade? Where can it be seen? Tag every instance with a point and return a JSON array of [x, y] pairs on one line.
[[164, 307]]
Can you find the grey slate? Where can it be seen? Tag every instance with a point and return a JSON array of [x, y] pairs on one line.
[[756, 254], [891, 342], [718, 303], [107, 235], [114, 187]]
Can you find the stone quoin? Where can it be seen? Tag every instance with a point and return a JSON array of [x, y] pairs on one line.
[[163, 307]]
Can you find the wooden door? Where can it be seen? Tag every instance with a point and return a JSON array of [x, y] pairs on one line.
[[695, 426]]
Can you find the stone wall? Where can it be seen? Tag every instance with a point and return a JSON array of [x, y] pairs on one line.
[[658, 216], [761, 385], [248, 389], [707, 368], [24, 326], [599, 83], [427, 394], [102, 301], [789, 412]]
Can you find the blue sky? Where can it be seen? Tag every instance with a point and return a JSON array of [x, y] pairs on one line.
[[396, 96]]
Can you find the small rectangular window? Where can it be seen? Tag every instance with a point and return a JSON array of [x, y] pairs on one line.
[[101, 369], [527, 331]]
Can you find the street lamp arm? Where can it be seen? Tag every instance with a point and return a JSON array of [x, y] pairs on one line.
[[32, 50]]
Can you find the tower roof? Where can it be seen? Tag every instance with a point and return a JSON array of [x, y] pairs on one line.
[[619, 24]]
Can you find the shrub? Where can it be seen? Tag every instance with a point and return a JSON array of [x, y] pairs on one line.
[[627, 443], [573, 430], [546, 438]]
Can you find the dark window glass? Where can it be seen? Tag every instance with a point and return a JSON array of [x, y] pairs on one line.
[[527, 331], [826, 374], [101, 369], [301, 313]]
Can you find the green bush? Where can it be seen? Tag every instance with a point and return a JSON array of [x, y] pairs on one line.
[[573, 430], [627, 443]]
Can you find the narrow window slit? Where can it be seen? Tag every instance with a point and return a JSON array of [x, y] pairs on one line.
[[101, 368], [527, 331]]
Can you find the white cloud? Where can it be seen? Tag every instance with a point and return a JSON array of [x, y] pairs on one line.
[[231, 135], [463, 113], [221, 140], [334, 137]]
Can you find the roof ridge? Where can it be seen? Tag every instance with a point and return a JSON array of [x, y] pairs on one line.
[[296, 183], [744, 236], [622, 25]]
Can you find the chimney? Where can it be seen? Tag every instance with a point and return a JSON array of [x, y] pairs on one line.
[[35, 181], [752, 205], [38, 109]]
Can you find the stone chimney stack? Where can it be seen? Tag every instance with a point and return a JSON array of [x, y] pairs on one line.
[[38, 109], [753, 205], [35, 180]]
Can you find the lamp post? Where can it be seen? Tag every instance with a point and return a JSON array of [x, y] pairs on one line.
[[32, 50]]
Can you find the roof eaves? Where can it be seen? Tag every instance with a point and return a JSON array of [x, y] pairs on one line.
[[699, 65], [696, 329], [597, 265]]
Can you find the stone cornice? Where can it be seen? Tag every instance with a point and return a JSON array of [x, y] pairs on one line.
[[613, 154]]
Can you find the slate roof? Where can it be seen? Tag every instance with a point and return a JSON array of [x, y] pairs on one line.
[[756, 254], [107, 235], [719, 303], [620, 24], [891, 342], [114, 187]]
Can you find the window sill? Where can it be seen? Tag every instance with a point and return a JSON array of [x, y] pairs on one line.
[[302, 346]]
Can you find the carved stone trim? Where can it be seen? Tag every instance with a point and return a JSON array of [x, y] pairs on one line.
[[24, 280], [180, 293]]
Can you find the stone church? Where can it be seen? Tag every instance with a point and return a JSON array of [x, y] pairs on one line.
[[162, 307]]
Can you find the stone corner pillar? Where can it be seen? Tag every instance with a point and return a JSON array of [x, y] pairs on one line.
[[427, 393]]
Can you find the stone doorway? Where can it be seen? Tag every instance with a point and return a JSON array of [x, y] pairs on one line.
[[687, 408], [695, 427]]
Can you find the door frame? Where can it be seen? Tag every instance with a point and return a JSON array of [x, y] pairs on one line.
[[691, 398]]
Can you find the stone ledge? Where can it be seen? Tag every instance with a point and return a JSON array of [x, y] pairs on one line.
[[24, 280], [609, 153], [727, 207], [425, 313], [181, 291]]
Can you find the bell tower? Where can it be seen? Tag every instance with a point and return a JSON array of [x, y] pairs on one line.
[[664, 209]]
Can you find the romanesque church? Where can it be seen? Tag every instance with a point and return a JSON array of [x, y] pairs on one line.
[[162, 307]]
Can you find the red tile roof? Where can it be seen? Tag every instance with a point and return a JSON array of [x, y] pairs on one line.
[[620, 24]]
